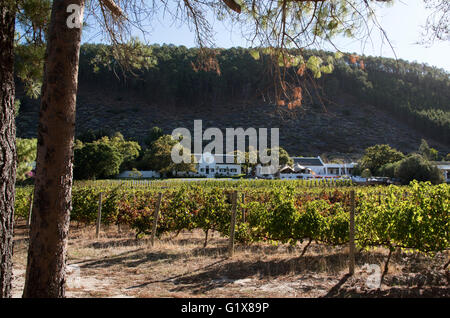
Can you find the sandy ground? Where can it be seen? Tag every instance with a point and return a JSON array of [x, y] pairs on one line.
[[117, 265]]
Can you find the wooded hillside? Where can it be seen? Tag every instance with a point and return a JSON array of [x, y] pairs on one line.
[[363, 101]]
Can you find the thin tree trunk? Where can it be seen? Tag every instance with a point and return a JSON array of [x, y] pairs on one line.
[[45, 275], [206, 238], [386, 268], [306, 247], [7, 145]]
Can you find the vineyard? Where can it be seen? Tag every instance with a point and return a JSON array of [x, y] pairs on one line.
[[410, 217]]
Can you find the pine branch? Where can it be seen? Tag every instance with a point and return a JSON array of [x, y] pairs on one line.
[[115, 10], [233, 5]]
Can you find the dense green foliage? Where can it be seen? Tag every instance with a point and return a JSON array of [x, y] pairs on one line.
[[96, 160], [129, 150], [416, 93], [379, 155], [414, 216], [104, 157], [153, 135], [26, 154], [415, 167], [158, 156], [382, 160], [428, 152]]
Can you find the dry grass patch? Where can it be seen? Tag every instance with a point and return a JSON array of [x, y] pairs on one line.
[[118, 265]]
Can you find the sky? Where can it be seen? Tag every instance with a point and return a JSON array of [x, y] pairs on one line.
[[403, 23]]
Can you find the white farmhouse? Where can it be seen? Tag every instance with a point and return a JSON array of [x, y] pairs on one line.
[[207, 165], [314, 167], [211, 165]]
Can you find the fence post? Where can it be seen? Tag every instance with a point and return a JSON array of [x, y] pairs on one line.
[[30, 210], [99, 215], [352, 234], [243, 208], [233, 224], [156, 216]]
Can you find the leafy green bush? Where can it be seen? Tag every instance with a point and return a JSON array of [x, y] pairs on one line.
[[415, 167], [96, 160]]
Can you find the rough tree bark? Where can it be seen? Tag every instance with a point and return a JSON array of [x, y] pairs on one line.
[[7, 145], [45, 275]]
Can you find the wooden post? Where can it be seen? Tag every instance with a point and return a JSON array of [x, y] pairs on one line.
[[156, 216], [30, 210], [233, 224], [351, 265], [99, 215], [243, 208]]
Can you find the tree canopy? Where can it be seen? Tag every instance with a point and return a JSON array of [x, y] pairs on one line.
[[377, 156], [415, 167], [96, 160], [158, 157]]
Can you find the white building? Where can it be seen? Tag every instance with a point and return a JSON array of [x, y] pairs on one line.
[[212, 165], [207, 165], [320, 168], [314, 167]]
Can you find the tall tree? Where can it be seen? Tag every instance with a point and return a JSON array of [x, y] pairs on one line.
[[427, 152], [7, 144], [45, 274], [377, 156]]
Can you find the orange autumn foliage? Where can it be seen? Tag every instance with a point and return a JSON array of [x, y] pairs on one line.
[[353, 58], [297, 92], [361, 64], [301, 69]]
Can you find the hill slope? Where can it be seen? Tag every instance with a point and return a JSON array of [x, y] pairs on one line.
[[368, 106]]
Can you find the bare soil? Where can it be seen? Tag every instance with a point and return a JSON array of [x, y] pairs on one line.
[[118, 265]]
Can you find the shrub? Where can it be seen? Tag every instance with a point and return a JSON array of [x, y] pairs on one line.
[[415, 167], [95, 161], [388, 170]]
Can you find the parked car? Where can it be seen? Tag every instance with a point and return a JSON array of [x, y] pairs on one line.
[[378, 181], [394, 181]]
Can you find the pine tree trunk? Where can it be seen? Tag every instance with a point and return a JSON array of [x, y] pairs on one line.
[[45, 275], [7, 145]]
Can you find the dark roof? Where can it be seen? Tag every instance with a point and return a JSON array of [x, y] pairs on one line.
[[308, 161], [287, 169]]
